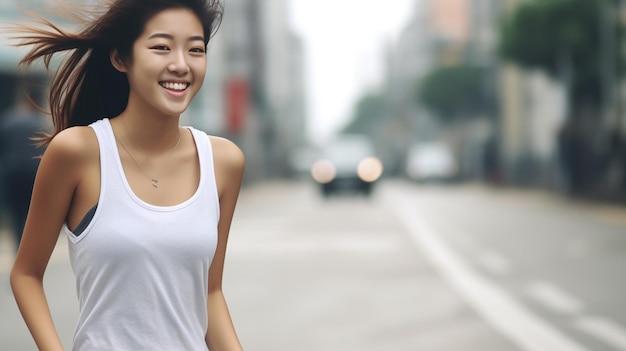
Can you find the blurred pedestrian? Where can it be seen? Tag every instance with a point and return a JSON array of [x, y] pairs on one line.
[[19, 157], [146, 205]]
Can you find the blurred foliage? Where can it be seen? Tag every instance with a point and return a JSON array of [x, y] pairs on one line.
[[567, 40], [578, 42], [453, 92], [370, 112]]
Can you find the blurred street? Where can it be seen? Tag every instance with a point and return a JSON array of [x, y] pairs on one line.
[[412, 268], [518, 106]]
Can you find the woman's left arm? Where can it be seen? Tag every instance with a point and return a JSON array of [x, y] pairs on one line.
[[229, 164]]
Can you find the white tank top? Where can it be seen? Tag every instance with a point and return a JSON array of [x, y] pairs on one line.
[[142, 270]]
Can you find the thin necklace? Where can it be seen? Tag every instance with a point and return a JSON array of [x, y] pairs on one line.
[[154, 180]]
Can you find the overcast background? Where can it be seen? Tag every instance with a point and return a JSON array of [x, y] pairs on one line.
[[344, 41]]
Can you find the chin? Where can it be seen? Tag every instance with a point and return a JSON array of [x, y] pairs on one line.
[[175, 110]]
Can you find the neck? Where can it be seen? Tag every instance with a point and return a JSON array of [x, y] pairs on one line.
[[147, 135]]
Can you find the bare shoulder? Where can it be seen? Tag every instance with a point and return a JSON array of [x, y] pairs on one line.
[[227, 155], [74, 144]]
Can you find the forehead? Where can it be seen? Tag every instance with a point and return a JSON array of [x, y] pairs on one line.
[[177, 21]]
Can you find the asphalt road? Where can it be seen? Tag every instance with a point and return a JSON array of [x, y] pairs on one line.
[[412, 268]]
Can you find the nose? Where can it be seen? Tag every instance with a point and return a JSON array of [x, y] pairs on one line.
[[179, 63]]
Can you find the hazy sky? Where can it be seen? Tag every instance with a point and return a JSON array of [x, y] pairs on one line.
[[344, 45]]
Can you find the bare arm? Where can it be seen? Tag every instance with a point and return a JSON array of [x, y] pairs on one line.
[[54, 186], [229, 165]]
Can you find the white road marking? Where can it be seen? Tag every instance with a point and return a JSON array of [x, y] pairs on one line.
[[605, 330], [494, 263], [504, 313], [555, 298]]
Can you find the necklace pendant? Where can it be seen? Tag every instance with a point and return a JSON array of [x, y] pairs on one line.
[[155, 183]]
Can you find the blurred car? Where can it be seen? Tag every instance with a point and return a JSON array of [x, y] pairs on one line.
[[431, 161], [347, 163]]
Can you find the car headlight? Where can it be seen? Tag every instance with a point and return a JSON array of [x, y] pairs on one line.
[[323, 171], [370, 169]]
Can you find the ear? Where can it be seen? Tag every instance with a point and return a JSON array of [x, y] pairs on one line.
[[117, 61]]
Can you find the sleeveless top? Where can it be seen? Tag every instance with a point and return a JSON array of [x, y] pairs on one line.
[[142, 270]]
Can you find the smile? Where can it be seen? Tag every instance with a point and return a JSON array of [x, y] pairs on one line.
[[174, 86]]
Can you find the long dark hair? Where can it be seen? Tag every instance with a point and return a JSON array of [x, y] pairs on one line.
[[86, 86]]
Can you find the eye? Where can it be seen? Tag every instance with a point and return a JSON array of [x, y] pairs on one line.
[[160, 47], [197, 50]]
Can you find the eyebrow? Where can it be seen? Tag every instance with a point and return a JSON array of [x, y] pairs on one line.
[[171, 37]]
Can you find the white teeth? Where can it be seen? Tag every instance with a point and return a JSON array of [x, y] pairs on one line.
[[174, 86]]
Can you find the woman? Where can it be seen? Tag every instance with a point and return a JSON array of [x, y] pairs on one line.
[[146, 205]]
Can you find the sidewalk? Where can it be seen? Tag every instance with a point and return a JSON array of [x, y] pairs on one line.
[[7, 250], [601, 211]]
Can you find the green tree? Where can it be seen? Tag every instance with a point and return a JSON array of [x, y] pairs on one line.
[[370, 112], [564, 38], [454, 92], [578, 43]]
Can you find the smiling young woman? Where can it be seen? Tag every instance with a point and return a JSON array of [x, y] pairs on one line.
[[146, 204]]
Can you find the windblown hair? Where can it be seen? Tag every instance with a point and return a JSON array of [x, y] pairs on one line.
[[86, 87]]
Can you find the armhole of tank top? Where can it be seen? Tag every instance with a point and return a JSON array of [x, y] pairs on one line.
[[80, 228], [209, 160], [76, 234]]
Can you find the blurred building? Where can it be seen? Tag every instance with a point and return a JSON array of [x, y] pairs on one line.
[[532, 109], [408, 60], [253, 92], [526, 108], [254, 88], [281, 75], [439, 33], [449, 22]]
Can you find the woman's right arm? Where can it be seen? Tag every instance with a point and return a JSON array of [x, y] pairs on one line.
[[57, 177]]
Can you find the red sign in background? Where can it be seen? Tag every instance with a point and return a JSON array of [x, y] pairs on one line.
[[237, 104]]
